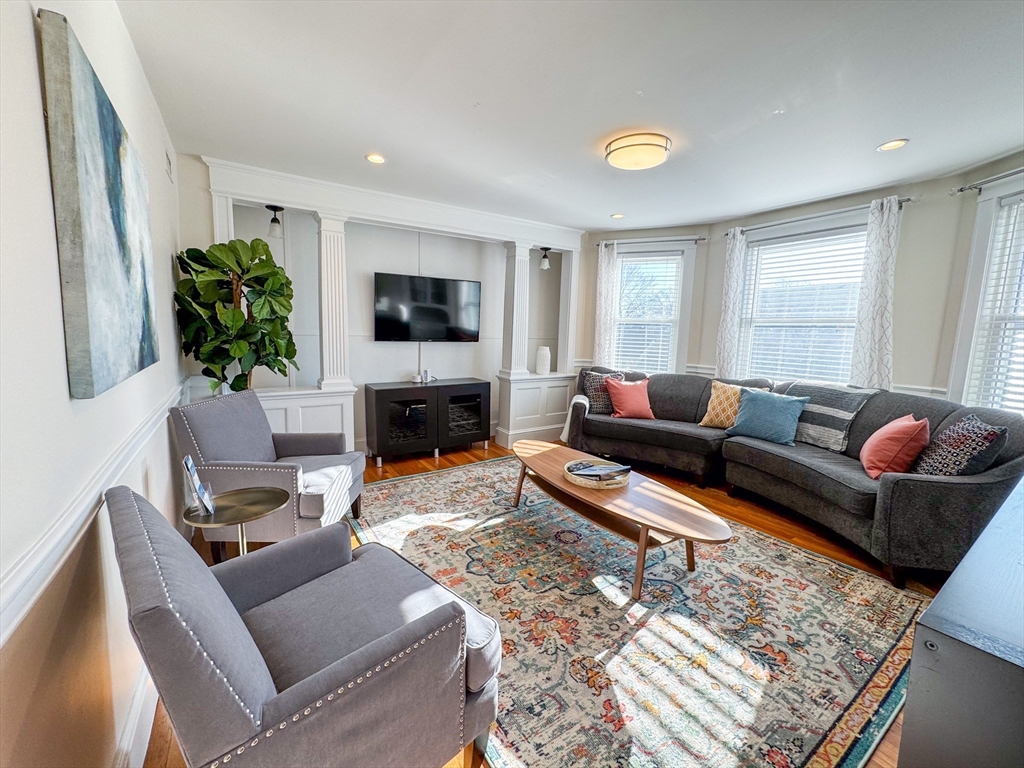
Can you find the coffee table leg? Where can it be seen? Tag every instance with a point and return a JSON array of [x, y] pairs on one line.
[[690, 565], [519, 487], [243, 545], [641, 556]]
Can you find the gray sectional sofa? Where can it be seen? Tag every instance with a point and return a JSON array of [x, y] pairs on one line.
[[904, 520]]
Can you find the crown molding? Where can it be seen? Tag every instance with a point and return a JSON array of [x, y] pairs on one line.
[[340, 201]]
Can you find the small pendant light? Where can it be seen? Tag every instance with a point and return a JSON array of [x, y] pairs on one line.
[[275, 223], [545, 262]]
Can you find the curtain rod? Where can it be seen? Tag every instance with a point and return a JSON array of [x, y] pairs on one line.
[[811, 217], [979, 184], [683, 239]]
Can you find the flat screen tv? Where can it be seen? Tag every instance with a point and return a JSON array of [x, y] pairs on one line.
[[415, 308]]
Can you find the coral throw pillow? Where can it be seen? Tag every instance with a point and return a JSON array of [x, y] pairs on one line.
[[895, 446], [724, 405], [629, 399]]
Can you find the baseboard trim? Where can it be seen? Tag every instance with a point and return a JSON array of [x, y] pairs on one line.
[[24, 581], [133, 741], [505, 437]]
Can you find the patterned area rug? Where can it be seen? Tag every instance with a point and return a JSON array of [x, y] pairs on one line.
[[767, 655]]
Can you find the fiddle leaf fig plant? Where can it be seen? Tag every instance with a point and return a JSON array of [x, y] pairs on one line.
[[233, 303]]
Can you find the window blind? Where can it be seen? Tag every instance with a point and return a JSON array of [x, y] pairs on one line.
[[647, 315], [995, 377], [800, 306]]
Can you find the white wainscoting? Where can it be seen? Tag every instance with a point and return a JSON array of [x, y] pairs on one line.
[[538, 406]]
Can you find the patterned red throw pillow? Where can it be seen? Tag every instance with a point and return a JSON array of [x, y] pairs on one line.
[[967, 447]]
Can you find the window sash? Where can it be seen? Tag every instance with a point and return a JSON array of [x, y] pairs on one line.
[[642, 351], [808, 283], [995, 373]]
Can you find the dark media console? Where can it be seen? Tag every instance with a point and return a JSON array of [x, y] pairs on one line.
[[403, 417]]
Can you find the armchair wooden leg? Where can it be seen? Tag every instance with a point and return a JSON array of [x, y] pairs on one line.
[[357, 506], [473, 753], [218, 551]]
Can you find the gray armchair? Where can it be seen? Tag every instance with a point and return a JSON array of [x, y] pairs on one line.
[[230, 440], [306, 653]]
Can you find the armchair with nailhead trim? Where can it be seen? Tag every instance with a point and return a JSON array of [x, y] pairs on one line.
[[231, 443], [305, 653]]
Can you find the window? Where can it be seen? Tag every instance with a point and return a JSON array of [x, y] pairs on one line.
[[995, 374], [800, 305], [647, 319]]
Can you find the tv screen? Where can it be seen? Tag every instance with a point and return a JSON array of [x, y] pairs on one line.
[[414, 308]]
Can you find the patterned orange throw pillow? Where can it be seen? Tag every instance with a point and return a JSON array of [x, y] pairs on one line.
[[723, 405]]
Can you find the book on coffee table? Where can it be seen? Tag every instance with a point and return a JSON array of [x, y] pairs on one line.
[[600, 472]]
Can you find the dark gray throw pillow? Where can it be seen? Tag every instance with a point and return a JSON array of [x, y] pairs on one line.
[[597, 391], [825, 420], [967, 447]]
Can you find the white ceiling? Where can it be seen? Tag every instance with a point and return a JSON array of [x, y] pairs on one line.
[[506, 106]]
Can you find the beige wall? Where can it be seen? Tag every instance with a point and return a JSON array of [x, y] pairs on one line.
[[195, 203], [70, 672], [934, 245]]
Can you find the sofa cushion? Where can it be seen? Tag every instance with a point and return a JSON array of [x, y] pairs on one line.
[[1014, 423], [833, 476], [825, 420], [595, 387], [678, 435], [676, 396], [340, 612], [895, 447], [888, 406], [629, 399], [702, 407], [767, 416], [966, 447]]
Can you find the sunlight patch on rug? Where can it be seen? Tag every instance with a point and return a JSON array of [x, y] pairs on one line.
[[766, 655]]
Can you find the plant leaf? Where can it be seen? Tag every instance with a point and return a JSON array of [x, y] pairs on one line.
[[248, 362], [238, 348], [240, 382], [223, 256], [243, 252], [261, 250], [232, 318], [261, 308]]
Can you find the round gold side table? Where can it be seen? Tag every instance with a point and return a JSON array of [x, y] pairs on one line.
[[239, 507]]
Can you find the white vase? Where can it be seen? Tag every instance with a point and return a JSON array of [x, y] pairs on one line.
[[543, 361]]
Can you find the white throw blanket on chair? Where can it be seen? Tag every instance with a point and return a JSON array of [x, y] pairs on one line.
[[586, 409]]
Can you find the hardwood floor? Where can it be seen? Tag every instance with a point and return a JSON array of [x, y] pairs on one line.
[[748, 510]]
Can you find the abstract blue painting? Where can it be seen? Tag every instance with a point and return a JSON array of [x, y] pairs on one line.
[[101, 204]]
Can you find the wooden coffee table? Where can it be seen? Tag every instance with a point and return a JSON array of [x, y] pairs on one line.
[[644, 512]]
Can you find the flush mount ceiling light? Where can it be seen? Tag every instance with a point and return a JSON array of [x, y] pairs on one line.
[[545, 262], [618, 215], [275, 223], [638, 151], [374, 157], [894, 144]]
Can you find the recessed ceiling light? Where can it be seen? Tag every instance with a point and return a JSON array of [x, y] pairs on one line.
[[894, 144], [638, 151], [618, 215], [373, 157]]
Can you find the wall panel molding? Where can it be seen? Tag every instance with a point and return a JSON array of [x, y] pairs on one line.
[[24, 581]]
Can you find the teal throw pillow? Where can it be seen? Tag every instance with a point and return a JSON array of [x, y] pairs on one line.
[[768, 416]]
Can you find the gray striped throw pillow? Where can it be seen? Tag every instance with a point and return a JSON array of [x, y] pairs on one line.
[[825, 420]]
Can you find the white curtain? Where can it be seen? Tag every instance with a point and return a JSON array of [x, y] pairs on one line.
[[728, 349], [871, 365], [607, 304]]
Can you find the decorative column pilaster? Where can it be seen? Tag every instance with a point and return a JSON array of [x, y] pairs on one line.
[[334, 370], [517, 307], [567, 311], [223, 218]]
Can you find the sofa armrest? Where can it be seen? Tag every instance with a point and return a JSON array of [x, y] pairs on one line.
[[269, 572], [930, 521], [308, 443], [379, 700], [577, 413]]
